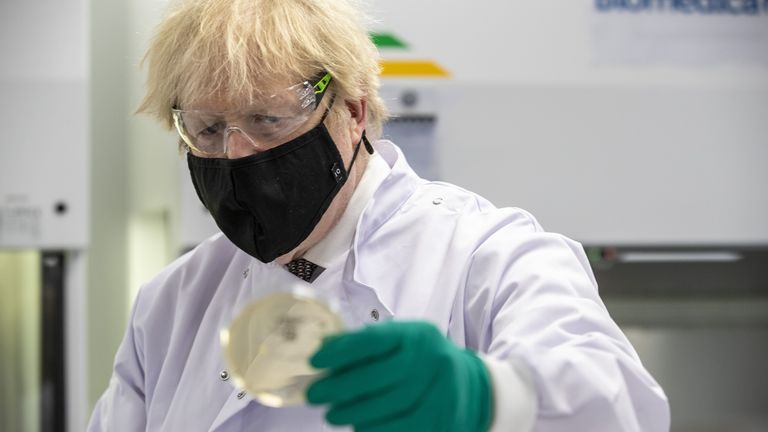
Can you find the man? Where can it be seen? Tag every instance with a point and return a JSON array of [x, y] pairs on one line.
[[461, 316]]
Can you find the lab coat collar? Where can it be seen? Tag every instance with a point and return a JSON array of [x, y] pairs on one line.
[[393, 192], [339, 240]]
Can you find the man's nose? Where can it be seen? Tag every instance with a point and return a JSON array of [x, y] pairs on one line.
[[239, 144]]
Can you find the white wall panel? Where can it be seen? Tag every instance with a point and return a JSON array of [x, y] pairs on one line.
[[44, 119], [612, 126]]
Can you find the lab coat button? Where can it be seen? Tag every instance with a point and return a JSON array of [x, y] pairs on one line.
[[437, 201], [241, 394], [245, 273], [224, 375], [375, 314]]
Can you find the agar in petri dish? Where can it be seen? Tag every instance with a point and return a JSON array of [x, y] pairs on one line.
[[268, 345]]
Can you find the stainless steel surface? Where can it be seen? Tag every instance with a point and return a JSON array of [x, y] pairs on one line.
[[700, 326], [715, 377]]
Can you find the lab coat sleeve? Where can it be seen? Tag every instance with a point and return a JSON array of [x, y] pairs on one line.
[[122, 406], [542, 313]]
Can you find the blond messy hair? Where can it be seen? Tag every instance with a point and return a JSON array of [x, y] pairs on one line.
[[236, 49]]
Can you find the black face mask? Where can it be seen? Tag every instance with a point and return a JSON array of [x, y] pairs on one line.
[[268, 203]]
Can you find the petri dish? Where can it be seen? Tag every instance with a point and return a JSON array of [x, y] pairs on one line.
[[268, 345]]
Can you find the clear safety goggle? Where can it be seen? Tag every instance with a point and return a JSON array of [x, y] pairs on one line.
[[265, 125]]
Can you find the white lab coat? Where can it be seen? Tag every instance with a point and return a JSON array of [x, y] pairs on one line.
[[491, 279]]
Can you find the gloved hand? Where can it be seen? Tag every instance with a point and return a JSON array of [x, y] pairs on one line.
[[401, 376]]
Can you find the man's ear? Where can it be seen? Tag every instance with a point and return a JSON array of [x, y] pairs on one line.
[[357, 110]]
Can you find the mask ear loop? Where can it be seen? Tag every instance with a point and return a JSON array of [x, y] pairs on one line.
[[368, 146], [363, 139]]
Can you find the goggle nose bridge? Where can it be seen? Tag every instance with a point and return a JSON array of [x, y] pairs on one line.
[[230, 129]]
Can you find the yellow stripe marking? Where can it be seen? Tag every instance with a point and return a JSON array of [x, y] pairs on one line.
[[409, 68]]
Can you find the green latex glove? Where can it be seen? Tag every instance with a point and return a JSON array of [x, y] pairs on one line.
[[401, 376]]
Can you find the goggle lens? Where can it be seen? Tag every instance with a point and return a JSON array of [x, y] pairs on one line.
[[266, 124]]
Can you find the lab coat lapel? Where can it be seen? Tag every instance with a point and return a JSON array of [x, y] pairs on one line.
[[361, 288], [376, 264], [231, 407], [363, 298], [400, 184]]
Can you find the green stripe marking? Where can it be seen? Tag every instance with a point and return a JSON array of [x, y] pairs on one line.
[[387, 40]]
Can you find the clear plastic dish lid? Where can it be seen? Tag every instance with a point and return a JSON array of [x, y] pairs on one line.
[[267, 346]]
